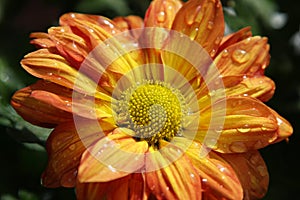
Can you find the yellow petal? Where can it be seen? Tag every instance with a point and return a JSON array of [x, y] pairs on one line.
[[252, 172], [112, 157], [202, 21], [178, 180], [217, 177], [238, 124]]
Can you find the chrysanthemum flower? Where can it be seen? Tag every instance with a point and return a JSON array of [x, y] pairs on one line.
[[160, 108]]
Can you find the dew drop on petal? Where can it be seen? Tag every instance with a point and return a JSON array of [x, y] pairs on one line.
[[225, 53], [240, 56], [72, 147], [161, 17], [238, 147], [111, 168], [244, 129], [210, 25], [262, 171]]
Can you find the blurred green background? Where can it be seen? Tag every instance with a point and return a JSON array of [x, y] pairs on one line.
[[21, 145]]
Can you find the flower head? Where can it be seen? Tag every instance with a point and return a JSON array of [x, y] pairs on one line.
[[166, 107]]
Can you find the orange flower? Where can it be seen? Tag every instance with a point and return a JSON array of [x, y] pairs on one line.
[[164, 107]]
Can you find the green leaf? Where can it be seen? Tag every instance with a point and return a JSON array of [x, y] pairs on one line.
[[254, 13]]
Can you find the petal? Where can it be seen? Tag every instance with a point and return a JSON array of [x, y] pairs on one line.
[[218, 177], [178, 180], [130, 23], [112, 157], [285, 129], [64, 149], [161, 13], [160, 16], [70, 19], [130, 187], [40, 107], [42, 40], [202, 21], [235, 37], [65, 146], [53, 67], [260, 87], [247, 57], [53, 104], [252, 172], [238, 124], [71, 46]]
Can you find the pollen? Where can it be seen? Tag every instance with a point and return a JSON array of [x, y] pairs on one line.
[[153, 110]]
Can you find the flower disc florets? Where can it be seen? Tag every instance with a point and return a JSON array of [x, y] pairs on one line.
[[154, 110]]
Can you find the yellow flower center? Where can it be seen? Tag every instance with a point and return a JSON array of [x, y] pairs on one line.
[[152, 110]]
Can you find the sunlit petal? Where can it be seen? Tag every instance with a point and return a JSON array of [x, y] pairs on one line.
[[202, 21], [112, 157], [248, 124], [217, 177], [179, 180]]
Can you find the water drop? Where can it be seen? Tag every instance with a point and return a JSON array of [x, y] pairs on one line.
[[111, 168], [210, 25], [72, 147], [240, 56], [225, 53], [211, 143], [262, 171], [238, 147], [244, 129], [161, 17], [246, 41]]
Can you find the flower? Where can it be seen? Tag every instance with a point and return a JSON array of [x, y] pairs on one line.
[[166, 107]]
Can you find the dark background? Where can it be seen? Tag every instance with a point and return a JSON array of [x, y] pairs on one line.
[[22, 160]]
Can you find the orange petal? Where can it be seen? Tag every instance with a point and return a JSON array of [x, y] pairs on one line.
[[130, 187], [235, 37], [247, 124], [285, 129], [178, 180], [95, 20], [29, 103], [46, 65], [161, 13], [260, 87], [64, 149], [111, 158], [252, 172], [71, 46], [42, 40], [130, 23], [159, 16], [247, 57], [218, 177], [202, 21]]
